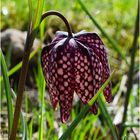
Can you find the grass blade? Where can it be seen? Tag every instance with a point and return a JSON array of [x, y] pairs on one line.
[[8, 91], [114, 44], [131, 72], [30, 10], [41, 87], [131, 125], [84, 110], [107, 117], [42, 113], [38, 13], [30, 129]]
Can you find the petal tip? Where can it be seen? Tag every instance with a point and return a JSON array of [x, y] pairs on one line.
[[64, 118], [94, 108]]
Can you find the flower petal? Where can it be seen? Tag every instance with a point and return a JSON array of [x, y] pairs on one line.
[[87, 75], [48, 56], [59, 36], [93, 41], [45, 62], [61, 71], [94, 108]]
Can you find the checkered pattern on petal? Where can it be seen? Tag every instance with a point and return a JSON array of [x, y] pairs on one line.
[[75, 64], [45, 59], [92, 40]]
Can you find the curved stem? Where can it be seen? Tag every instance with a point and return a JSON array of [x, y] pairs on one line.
[[25, 62], [52, 12]]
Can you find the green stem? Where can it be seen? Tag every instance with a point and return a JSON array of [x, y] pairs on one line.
[[107, 118], [131, 125], [29, 42], [130, 74]]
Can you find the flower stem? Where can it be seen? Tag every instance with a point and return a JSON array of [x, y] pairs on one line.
[[25, 62], [62, 17], [130, 74]]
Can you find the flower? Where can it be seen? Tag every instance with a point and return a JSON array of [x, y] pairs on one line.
[[75, 64]]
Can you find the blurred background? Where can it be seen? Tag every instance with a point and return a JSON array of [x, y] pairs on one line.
[[115, 25]]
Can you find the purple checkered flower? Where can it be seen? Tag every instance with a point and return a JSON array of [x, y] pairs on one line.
[[75, 64]]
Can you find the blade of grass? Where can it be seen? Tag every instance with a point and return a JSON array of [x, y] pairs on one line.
[[86, 130], [107, 117], [50, 121], [42, 111], [84, 110], [112, 42], [96, 132], [115, 89], [38, 13], [14, 97], [8, 91], [92, 129], [131, 72], [41, 87], [30, 129], [131, 125], [41, 84], [30, 10]]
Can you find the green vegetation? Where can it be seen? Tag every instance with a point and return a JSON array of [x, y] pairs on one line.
[[115, 21]]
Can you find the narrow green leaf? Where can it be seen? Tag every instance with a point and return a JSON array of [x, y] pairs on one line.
[[113, 43], [38, 13], [131, 72], [8, 91], [131, 125], [83, 112], [42, 112], [96, 132], [41, 87], [100, 90], [107, 118], [30, 10], [30, 129]]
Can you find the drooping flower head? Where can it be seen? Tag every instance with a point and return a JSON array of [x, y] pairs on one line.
[[75, 64]]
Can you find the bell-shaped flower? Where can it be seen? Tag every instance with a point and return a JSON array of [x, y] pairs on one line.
[[75, 64]]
